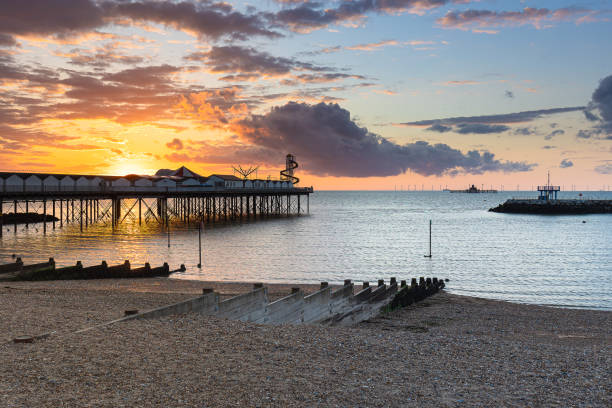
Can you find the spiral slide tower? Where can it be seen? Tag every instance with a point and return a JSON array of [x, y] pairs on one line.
[[291, 165]]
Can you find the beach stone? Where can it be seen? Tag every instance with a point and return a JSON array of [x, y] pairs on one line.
[[23, 339]]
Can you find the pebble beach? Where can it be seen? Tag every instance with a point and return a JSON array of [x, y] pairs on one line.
[[447, 351]]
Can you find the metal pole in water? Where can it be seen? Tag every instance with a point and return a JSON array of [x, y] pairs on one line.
[[429, 256], [200, 243]]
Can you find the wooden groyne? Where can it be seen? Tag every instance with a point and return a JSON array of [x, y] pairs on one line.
[[342, 307], [17, 271], [554, 207]]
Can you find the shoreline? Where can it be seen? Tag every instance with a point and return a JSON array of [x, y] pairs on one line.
[[448, 350], [518, 302]]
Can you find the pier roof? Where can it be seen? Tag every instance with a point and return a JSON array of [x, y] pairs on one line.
[[185, 172], [226, 177]]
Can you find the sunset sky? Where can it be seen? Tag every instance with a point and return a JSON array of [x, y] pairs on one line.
[[367, 94]]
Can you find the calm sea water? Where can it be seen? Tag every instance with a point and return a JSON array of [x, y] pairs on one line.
[[551, 260]]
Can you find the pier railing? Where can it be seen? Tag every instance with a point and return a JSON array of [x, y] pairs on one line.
[[146, 189]]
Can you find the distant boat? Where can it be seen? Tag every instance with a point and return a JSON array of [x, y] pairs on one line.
[[473, 190]]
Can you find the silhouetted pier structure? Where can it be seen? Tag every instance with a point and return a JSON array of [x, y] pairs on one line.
[[86, 200]]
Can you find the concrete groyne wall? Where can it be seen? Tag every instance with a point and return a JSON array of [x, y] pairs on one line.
[[552, 207], [340, 307]]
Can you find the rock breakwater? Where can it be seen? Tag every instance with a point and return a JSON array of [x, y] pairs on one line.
[[555, 207]]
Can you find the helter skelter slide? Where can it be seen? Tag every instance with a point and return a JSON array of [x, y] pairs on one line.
[[291, 165]]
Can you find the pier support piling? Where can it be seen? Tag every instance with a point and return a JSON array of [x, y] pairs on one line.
[[44, 216]]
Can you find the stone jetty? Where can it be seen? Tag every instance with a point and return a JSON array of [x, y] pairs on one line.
[[554, 207]]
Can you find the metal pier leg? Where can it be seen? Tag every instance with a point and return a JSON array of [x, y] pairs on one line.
[[27, 211], [81, 213], [1, 217], [15, 211], [72, 205], [44, 216], [298, 197], [308, 203], [139, 211], [61, 210], [214, 208], [53, 214]]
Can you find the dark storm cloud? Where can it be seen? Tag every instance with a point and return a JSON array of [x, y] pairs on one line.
[[247, 64], [507, 118], [437, 127], [334, 145], [605, 168], [480, 128], [24, 138], [482, 19], [590, 116], [143, 76], [237, 59], [600, 111], [468, 128], [62, 18], [319, 78], [175, 144], [214, 20], [49, 17], [309, 16], [7, 40], [565, 163], [554, 133], [99, 58], [525, 131]]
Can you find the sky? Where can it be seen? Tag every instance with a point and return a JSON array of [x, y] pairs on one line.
[[367, 94]]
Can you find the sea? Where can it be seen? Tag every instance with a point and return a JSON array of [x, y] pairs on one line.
[[562, 261]]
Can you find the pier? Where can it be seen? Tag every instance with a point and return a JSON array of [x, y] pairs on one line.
[[85, 199]]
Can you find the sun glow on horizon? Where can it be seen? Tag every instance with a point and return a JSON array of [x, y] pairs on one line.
[[125, 168]]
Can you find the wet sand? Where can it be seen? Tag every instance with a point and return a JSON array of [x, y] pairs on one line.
[[448, 350]]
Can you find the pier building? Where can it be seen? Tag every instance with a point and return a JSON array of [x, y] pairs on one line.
[[180, 194]]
